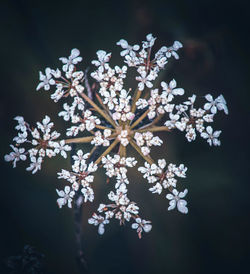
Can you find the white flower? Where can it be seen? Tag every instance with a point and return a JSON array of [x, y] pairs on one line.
[[212, 137], [127, 48], [60, 147], [171, 51], [222, 104], [46, 125], [21, 137], [88, 194], [100, 221], [150, 41], [181, 171], [149, 170], [72, 60], [66, 114], [144, 79], [190, 135], [46, 80], [16, 155], [66, 197], [171, 89], [103, 58], [35, 164], [156, 188], [21, 123], [110, 99], [176, 199], [141, 225], [212, 104]]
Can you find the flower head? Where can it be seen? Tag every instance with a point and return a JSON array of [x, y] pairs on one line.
[[114, 118]]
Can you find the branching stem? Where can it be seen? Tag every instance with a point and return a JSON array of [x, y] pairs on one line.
[[116, 141], [101, 112], [138, 149], [153, 129], [140, 119]]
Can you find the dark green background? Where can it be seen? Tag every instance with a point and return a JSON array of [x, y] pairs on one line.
[[214, 236]]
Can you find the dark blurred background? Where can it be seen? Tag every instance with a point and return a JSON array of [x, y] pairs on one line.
[[214, 236]]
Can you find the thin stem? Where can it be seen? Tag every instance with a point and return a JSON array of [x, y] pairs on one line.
[[138, 149], [122, 151], [92, 151], [116, 141], [103, 105], [156, 120], [77, 205], [140, 119], [86, 139], [103, 127], [94, 105], [136, 96], [153, 129]]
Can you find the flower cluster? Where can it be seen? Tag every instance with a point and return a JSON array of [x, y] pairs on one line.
[[145, 140], [79, 177], [114, 118], [191, 120], [164, 178], [36, 143]]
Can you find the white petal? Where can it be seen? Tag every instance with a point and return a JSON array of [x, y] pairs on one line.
[[172, 84], [169, 196], [75, 53], [67, 189], [209, 97], [209, 130], [172, 204], [207, 106], [101, 229], [183, 194], [134, 226], [147, 227], [217, 133], [178, 91]]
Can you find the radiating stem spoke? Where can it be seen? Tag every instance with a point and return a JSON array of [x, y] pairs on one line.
[[140, 119], [86, 139], [136, 96], [109, 149], [153, 129], [138, 149], [122, 151], [156, 120], [101, 112]]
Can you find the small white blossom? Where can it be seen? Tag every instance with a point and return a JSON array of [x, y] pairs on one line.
[[103, 58], [35, 164], [46, 80], [171, 89], [127, 48], [144, 79], [16, 155], [218, 103], [71, 61], [65, 197], [100, 221], [176, 199], [61, 148], [212, 137], [141, 225]]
